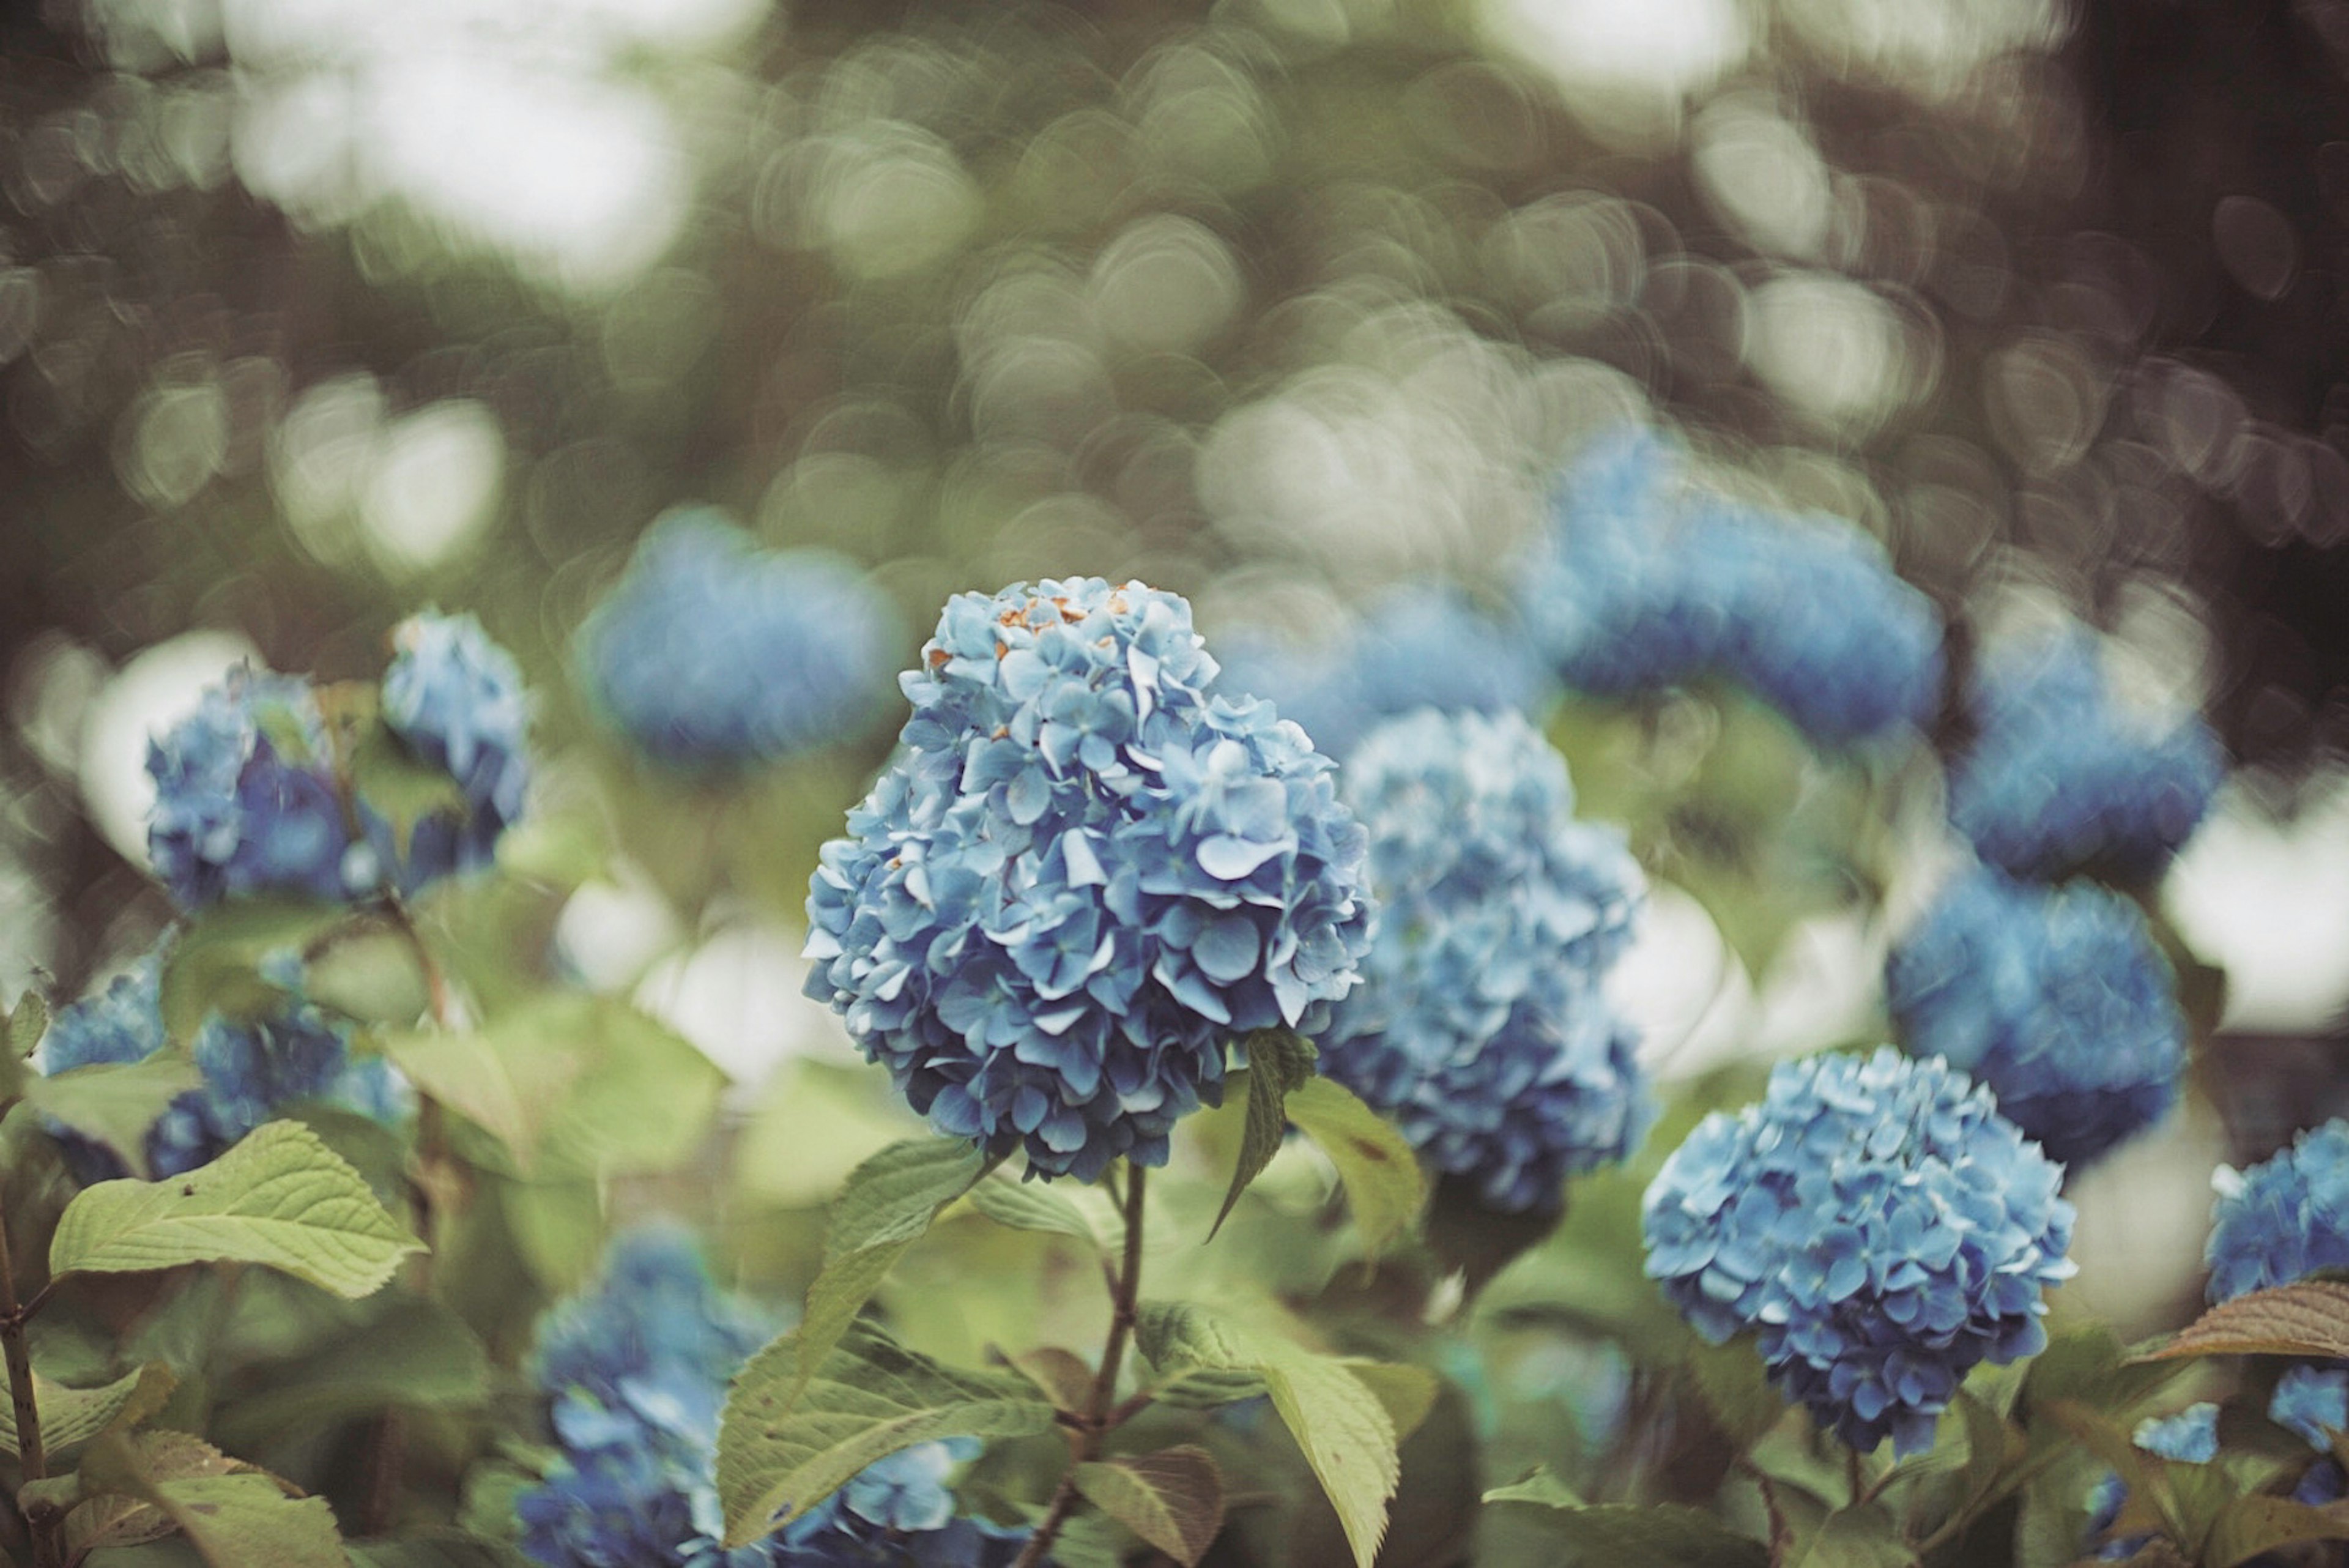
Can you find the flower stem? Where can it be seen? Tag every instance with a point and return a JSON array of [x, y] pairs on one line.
[[1101, 1414], [26, 1410]]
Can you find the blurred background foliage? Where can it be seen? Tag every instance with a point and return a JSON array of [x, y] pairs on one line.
[[313, 312]]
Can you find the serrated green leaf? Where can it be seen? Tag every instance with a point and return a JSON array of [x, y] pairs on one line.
[[213, 962], [1385, 1186], [400, 786], [417, 1356], [114, 1103], [1408, 1393], [788, 1438], [1339, 1424], [887, 1204], [1278, 1061], [2250, 1525], [1618, 1535], [241, 1519], [1206, 1388], [124, 1518], [72, 1415], [281, 1198], [1541, 1486], [2307, 1319], [1031, 1206], [1172, 1499]]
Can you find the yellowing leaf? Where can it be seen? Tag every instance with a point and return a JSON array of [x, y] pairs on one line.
[[281, 1198], [1385, 1186], [1172, 1499]]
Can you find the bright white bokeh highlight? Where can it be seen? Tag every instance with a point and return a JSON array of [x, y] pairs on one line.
[[156, 690]]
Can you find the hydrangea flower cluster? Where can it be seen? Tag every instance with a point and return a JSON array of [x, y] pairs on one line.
[[1416, 648], [2313, 1403], [636, 1369], [1643, 582], [1481, 1026], [246, 794], [252, 1070], [1880, 1227], [713, 653], [456, 700], [2282, 1219], [2056, 998], [2060, 777], [1080, 878]]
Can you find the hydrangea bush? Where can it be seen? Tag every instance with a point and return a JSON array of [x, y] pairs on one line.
[[1401, 1225]]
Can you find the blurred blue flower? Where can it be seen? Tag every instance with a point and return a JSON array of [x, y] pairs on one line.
[[1080, 878], [1877, 1224], [2313, 1402], [1480, 1025], [2282, 1219], [456, 700], [254, 1069], [1413, 647], [2190, 1437], [713, 653], [1643, 581], [2060, 777], [637, 1367], [246, 799], [2057, 998]]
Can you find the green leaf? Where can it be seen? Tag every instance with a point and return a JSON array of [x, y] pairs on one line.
[[2250, 1525], [369, 975], [888, 1203], [71, 1416], [24, 1026], [213, 963], [1031, 1206], [2310, 1319], [1384, 1185], [417, 1356], [557, 1227], [1859, 1538], [573, 1085], [402, 787], [787, 1439], [509, 1084], [1341, 1426], [280, 1197], [1991, 1443], [1407, 1393], [816, 1121], [117, 1518], [1061, 1376], [437, 1549], [1618, 1535], [2090, 1367], [1172, 1499], [114, 1103], [1279, 1062], [239, 1519]]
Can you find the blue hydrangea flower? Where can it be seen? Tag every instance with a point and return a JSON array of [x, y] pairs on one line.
[[2282, 1219], [1643, 582], [1414, 648], [712, 653], [246, 799], [2190, 1437], [2060, 777], [1081, 877], [456, 700], [2313, 1402], [1877, 1224], [2057, 998], [1480, 1026], [253, 1070], [637, 1367]]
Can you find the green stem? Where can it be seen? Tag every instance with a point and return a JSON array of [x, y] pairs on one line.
[[19, 1355], [1102, 1415]]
